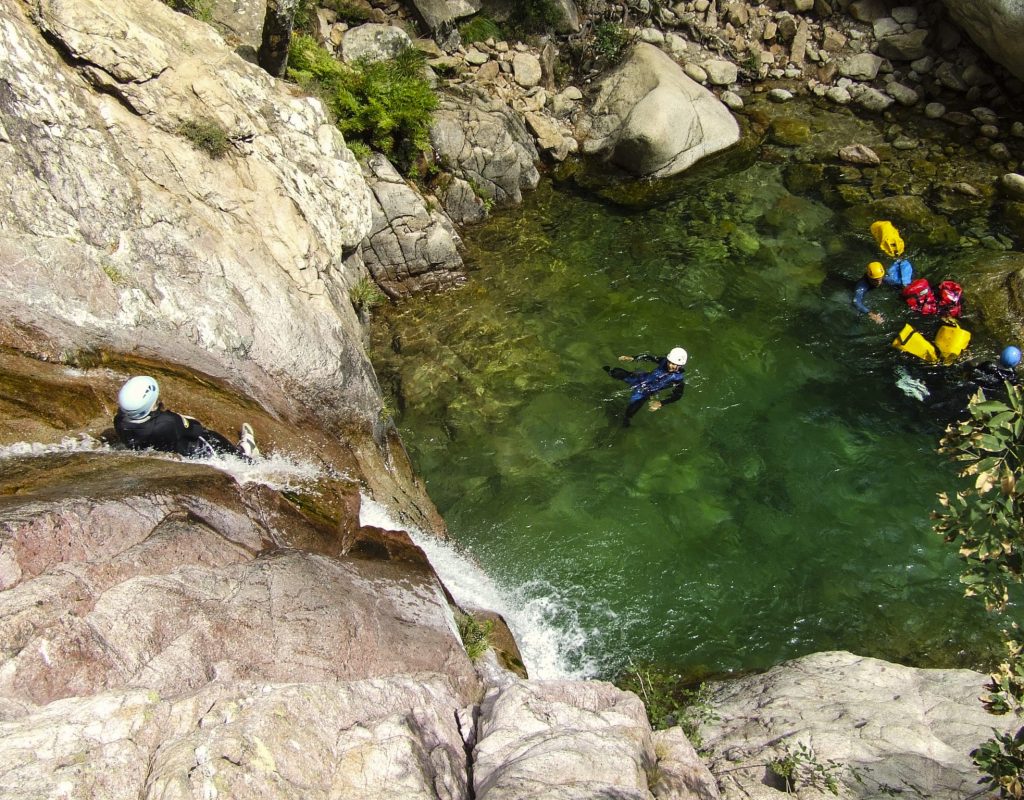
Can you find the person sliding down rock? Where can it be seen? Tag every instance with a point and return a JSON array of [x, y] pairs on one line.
[[668, 374], [142, 423]]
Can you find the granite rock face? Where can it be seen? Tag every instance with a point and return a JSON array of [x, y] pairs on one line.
[[374, 738], [122, 232], [488, 147], [900, 729], [409, 248], [168, 576]]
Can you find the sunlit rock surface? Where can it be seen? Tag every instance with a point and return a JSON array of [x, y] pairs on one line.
[[131, 572], [486, 146], [876, 728], [652, 120], [409, 248], [119, 233], [574, 739]]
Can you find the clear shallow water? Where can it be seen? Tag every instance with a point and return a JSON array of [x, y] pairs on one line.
[[781, 507]]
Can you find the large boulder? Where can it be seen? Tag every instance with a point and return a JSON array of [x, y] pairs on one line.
[[167, 198], [439, 14], [653, 121], [875, 728], [410, 248], [487, 146], [373, 42], [996, 26], [576, 740]]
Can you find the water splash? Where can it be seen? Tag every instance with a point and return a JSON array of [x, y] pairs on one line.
[[278, 471], [69, 444], [551, 641]]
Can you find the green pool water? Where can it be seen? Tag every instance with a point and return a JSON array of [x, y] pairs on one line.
[[780, 508]]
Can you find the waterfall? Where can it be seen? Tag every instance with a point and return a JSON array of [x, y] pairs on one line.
[[549, 650]]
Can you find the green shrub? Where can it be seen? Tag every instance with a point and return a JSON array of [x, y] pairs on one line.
[[476, 636], [537, 16], [985, 520], [305, 20], [800, 768], [669, 699], [611, 41], [605, 46], [479, 29], [206, 134], [347, 11], [365, 294], [387, 105]]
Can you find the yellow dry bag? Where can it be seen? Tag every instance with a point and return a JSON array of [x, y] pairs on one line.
[[951, 340], [888, 238], [911, 341]]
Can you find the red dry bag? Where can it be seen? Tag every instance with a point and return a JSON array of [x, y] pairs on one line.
[[951, 299], [919, 296]]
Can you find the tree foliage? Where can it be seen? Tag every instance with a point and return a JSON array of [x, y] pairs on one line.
[[986, 521]]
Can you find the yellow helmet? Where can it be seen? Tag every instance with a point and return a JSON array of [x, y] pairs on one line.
[[875, 270]]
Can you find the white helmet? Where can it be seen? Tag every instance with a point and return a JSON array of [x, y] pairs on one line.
[[138, 397], [677, 356]]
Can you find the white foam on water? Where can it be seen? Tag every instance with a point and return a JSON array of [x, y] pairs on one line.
[[910, 386], [279, 471], [69, 444], [551, 645]]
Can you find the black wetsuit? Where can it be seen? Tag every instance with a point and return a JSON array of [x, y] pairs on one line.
[[990, 376], [171, 433], [647, 384]]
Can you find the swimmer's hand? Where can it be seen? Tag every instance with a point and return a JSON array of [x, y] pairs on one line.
[[625, 358], [876, 317], [654, 405]]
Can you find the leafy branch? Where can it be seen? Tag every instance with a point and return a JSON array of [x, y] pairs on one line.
[[986, 521]]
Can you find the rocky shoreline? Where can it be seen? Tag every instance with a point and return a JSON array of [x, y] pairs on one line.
[[909, 80], [168, 629]]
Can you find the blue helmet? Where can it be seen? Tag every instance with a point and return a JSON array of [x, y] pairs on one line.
[[1010, 357]]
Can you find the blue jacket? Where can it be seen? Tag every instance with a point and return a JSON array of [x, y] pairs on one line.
[[899, 274], [646, 384]]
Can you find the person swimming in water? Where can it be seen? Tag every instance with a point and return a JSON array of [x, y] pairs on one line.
[[668, 374]]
